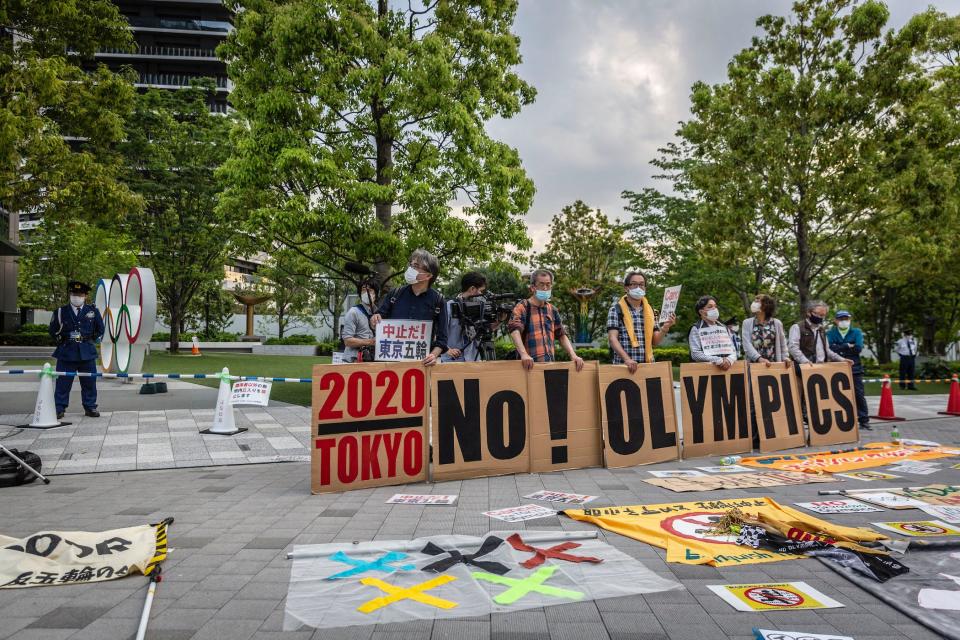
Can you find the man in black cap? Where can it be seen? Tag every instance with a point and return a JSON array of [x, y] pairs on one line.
[[77, 327]]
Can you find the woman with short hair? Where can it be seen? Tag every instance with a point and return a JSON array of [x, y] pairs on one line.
[[707, 329], [763, 338]]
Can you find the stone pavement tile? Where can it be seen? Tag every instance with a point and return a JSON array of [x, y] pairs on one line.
[[11, 625], [572, 612], [198, 598], [13, 603], [235, 629], [915, 632], [860, 624], [268, 542], [283, 635], [247, 610], [460, 630], [114, 628], [259, 590], [132, 606], [578, 630], [740, 622], [620, 624], [44, 634], [519, 635], [225, 582], [624, 604], [181, 619]]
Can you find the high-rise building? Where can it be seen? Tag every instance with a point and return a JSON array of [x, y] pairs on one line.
[[9, 320]]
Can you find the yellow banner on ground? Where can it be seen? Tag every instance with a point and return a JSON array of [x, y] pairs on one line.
[[686, 529], [876, 454]]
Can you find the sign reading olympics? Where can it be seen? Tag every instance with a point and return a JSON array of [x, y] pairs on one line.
[[128, 304]]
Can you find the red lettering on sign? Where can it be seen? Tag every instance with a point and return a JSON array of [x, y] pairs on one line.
[[333, 382], [324, 445], [413, 396], [347, 459], [389, 378], [369, 457], [391, 442], [412, 453], [359, 394]]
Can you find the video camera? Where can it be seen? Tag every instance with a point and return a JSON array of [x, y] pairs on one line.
[[479, 316]]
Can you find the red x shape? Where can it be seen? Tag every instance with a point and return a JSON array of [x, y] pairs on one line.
[[541, 555]]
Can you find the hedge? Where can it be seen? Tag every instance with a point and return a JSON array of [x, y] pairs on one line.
[[33, 328], [297, 338], [26, 340], [676, 354]]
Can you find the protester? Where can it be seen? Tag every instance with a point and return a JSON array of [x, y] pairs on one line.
[[535, 325], [906, 348], [418, 300], [807, 341], [77, 328], [734, 328], [631, 327], [848, 342], [723, 356], [358, 337], [462, 347], [762, 335]]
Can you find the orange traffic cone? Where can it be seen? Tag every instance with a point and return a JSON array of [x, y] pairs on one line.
[[953, 402], [195, 349], [886, 402]]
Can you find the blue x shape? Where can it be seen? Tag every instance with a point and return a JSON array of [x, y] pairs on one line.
[[362, 566]]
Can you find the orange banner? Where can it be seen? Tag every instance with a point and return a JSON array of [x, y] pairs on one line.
[[876, 454]]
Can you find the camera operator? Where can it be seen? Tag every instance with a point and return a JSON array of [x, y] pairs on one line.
[[461, 346], [358, 337]]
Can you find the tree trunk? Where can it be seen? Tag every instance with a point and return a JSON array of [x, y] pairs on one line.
[[384, 142], [174, 330], [802, 277], [281, 325]]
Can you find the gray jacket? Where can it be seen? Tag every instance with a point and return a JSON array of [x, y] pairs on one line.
[[750, 352]]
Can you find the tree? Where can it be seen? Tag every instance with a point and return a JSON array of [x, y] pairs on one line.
[[292, 283], [173, 147], [58, 123], [586, 250], [50, 260], [364, 122], [210, 312]]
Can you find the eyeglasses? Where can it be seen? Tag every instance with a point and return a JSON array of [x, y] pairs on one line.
[[417, 266], [636, 284], [543, 286]]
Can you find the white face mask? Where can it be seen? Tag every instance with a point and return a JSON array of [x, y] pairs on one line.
[[713, 314], [366, 298], [77, 301], [735, 328], [844, 324], [411, 275], [755, 307], [636, 293]]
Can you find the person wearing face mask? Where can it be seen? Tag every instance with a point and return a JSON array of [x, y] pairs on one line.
[[358, 337], [418, 300], [705, 330], [848, 342], [77, 328], [461, 347], [535, 325], [807, 341], [734, 328], [631, 327], [906, 348], [762, 336]]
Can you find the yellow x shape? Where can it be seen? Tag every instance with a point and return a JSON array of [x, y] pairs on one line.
[[395, 594]]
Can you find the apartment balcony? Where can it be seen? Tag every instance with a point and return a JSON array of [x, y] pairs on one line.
[[156, 52], [176, 81], [180, 25]]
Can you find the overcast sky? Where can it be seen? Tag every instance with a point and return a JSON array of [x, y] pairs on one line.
[[613, 79]]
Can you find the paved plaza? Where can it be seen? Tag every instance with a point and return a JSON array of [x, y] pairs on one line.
[[227, 575]]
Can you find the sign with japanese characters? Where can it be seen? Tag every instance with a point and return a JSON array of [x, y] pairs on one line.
[[50, 558], [561, 496], [255, 392], [368, 426], [671, 295], [716, 409], [521, 513], [715, 340], [399, 340], [422, 499]]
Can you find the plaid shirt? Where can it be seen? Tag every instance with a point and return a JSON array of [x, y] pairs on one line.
[[615, 321], [539, 327]]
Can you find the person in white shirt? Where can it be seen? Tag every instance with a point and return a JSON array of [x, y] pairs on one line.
[[906, 348], [807, 341]]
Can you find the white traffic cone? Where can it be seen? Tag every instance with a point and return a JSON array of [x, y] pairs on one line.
[[223, 424], [45, 411]]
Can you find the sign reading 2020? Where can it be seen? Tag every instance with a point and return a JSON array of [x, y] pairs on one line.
[[128, 304]]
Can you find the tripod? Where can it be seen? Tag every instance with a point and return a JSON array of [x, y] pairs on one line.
[[23, 464], [487, 351]]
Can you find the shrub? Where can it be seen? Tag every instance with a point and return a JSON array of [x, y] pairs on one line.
[[160, 336], [26, 340], [327, 347], [297, 338], [33, 328]]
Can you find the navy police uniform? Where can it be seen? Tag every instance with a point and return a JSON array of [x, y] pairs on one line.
[[77, 331]]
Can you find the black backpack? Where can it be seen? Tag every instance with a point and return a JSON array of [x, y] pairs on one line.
[[12, 473]]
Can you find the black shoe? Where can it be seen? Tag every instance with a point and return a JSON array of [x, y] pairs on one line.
[[866, 427], [91, 413], [60, 415], [912, 389]]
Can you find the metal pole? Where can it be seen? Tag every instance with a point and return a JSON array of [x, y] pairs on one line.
[[25, 465], [155, 579]]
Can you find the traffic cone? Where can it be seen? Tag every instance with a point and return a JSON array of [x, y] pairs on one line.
[[195, 349], [45, 411], [953, 402], [886, 402], [223, 423]]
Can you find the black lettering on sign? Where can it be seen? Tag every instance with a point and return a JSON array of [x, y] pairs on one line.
[[516, 434], [729, 407], [624, 439], [792, 425], [820, 421], [458, 422], [659, 438], [555, 384], [769, 403], [845, 416], [697, 399]]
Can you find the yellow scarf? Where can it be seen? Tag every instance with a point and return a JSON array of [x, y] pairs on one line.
[[627, 316]]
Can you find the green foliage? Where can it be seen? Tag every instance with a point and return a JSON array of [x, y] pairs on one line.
[[297, 338], [33, 328], [364, 121], [211, 309], [675, 354], [291, 281], [502, 277], [26, 340]]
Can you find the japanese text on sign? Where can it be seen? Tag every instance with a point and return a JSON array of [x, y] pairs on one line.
[[399, 340]]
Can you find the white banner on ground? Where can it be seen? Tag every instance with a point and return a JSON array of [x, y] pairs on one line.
[[454, 576], [560, 496], [253, 392], [671, 295], [412, 498], [521, 513], [838, 506], [399, 340]]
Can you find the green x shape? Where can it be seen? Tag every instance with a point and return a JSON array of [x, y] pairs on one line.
[[521, 587]]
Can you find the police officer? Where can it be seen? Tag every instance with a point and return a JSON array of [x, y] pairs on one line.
[[77, 327]]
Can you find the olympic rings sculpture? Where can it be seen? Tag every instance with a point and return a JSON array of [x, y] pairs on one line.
[[128, 304]]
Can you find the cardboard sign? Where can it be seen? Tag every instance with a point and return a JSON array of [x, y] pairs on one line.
[[716, 410], [945, 513], [916, 467], [919, 528], [251, 392], [773, 597], [866, 476], [369, 426], [726, 468], [944, 494], [831, 405], [737, 481], [412, 498], [772, 634], [399, 340], [838, 506], [521, 513], [776, 397], [637, 415], [560, 496], [671, 295], [337, 358], [479, 420], [715, 340], [888, 499], [678, 473], [564, 413]]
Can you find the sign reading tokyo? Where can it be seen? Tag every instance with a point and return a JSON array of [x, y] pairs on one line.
[[369, 426]]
